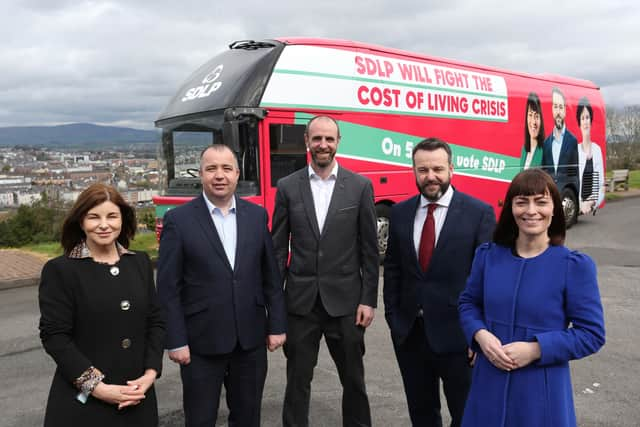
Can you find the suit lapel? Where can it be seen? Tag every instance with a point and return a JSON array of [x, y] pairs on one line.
[[563, 149], [242, 228], [307, 201], [203, 217], [408, 224], [455, 214]]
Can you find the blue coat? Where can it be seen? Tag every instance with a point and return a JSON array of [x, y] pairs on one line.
[[530, 299]]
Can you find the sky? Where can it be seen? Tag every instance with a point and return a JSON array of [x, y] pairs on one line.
[[119, 62]]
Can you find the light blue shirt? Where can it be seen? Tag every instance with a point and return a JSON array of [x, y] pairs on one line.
[[226, 226], [556, 146]]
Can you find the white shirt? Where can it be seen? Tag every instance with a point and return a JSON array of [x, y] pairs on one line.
[[439, 215], [556, 146], [322, 190], [226, 227]]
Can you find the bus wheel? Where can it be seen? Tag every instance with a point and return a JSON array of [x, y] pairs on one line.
[[569, 206], [383, 212]]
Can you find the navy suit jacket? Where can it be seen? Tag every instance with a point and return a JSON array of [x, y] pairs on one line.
[[210, 306], [469, 222], [567, 172]]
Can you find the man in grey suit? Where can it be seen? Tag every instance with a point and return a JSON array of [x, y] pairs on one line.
[[324, 234]]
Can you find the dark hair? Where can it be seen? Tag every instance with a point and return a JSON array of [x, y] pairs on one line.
[[530, 182], [219, 147], [582, 104], [431, 144], [533, 103], [314, 118], [95, 195], [557, 90]]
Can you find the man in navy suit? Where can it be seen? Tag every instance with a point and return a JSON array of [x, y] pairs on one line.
[[219, 283], [560, 150], [426, 267]]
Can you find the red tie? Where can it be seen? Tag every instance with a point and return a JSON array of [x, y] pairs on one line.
[[428, 238]]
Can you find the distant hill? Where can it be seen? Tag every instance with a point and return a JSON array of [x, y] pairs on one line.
[[76, 134]]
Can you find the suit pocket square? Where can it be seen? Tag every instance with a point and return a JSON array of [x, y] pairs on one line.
[[348, 208]]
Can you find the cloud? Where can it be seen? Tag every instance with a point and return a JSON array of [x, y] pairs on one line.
[[120, 61]]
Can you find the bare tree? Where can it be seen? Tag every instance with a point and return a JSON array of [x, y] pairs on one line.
[[623, 136]]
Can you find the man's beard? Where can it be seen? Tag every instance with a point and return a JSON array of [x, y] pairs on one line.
[[442, 188], [559, 123], [322, 163]]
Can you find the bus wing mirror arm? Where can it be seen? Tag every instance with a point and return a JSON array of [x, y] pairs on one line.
[[231, 134]]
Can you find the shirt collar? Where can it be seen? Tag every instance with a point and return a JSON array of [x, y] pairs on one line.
[[81, 250], [560, 133], [445, 200], [333, 174], [211, 207]]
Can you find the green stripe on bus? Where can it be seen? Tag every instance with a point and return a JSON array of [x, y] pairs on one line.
[[380, 145]]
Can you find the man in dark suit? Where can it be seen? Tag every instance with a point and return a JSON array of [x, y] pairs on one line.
[[325, 220], [560, 149], [219, 282], [432, 241]]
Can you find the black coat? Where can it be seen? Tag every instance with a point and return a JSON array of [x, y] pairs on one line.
[[84, 322]]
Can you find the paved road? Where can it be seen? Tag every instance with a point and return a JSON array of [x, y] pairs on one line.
[[607, 385]]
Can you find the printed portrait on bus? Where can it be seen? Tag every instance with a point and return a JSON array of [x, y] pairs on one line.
[[531, 156], [590, 161]]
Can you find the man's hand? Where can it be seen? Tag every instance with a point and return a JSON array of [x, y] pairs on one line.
[[275, 341], [471, 357], [181, 356], [364, 315]]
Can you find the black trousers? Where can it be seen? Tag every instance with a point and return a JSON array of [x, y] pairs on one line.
[[345, 341], [243, 373], [422, 370]]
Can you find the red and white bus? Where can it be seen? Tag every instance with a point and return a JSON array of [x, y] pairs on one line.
[[258, 95]]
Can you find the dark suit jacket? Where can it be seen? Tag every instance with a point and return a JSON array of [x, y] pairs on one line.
[[341, 264], [210, 306], [469, 222], [567, 162]]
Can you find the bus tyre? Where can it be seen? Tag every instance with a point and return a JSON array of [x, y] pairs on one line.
[[383, 212], [570, 206]]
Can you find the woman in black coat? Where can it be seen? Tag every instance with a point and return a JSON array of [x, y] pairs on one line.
[[100, 320]]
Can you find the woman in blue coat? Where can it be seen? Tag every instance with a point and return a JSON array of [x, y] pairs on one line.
[[530, 306]]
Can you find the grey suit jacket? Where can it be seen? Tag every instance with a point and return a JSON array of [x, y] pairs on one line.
[[341, 263]]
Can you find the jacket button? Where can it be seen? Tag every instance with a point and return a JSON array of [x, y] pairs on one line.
[[125, 305], [126, 343]]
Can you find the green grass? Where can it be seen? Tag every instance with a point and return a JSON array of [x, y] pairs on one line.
[[143, 242], [48, 249], [634, 179]]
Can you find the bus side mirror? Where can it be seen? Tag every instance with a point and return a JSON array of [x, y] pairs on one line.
[[231, 134]]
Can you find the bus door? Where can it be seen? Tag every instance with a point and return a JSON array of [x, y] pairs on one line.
[[284, 152]]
